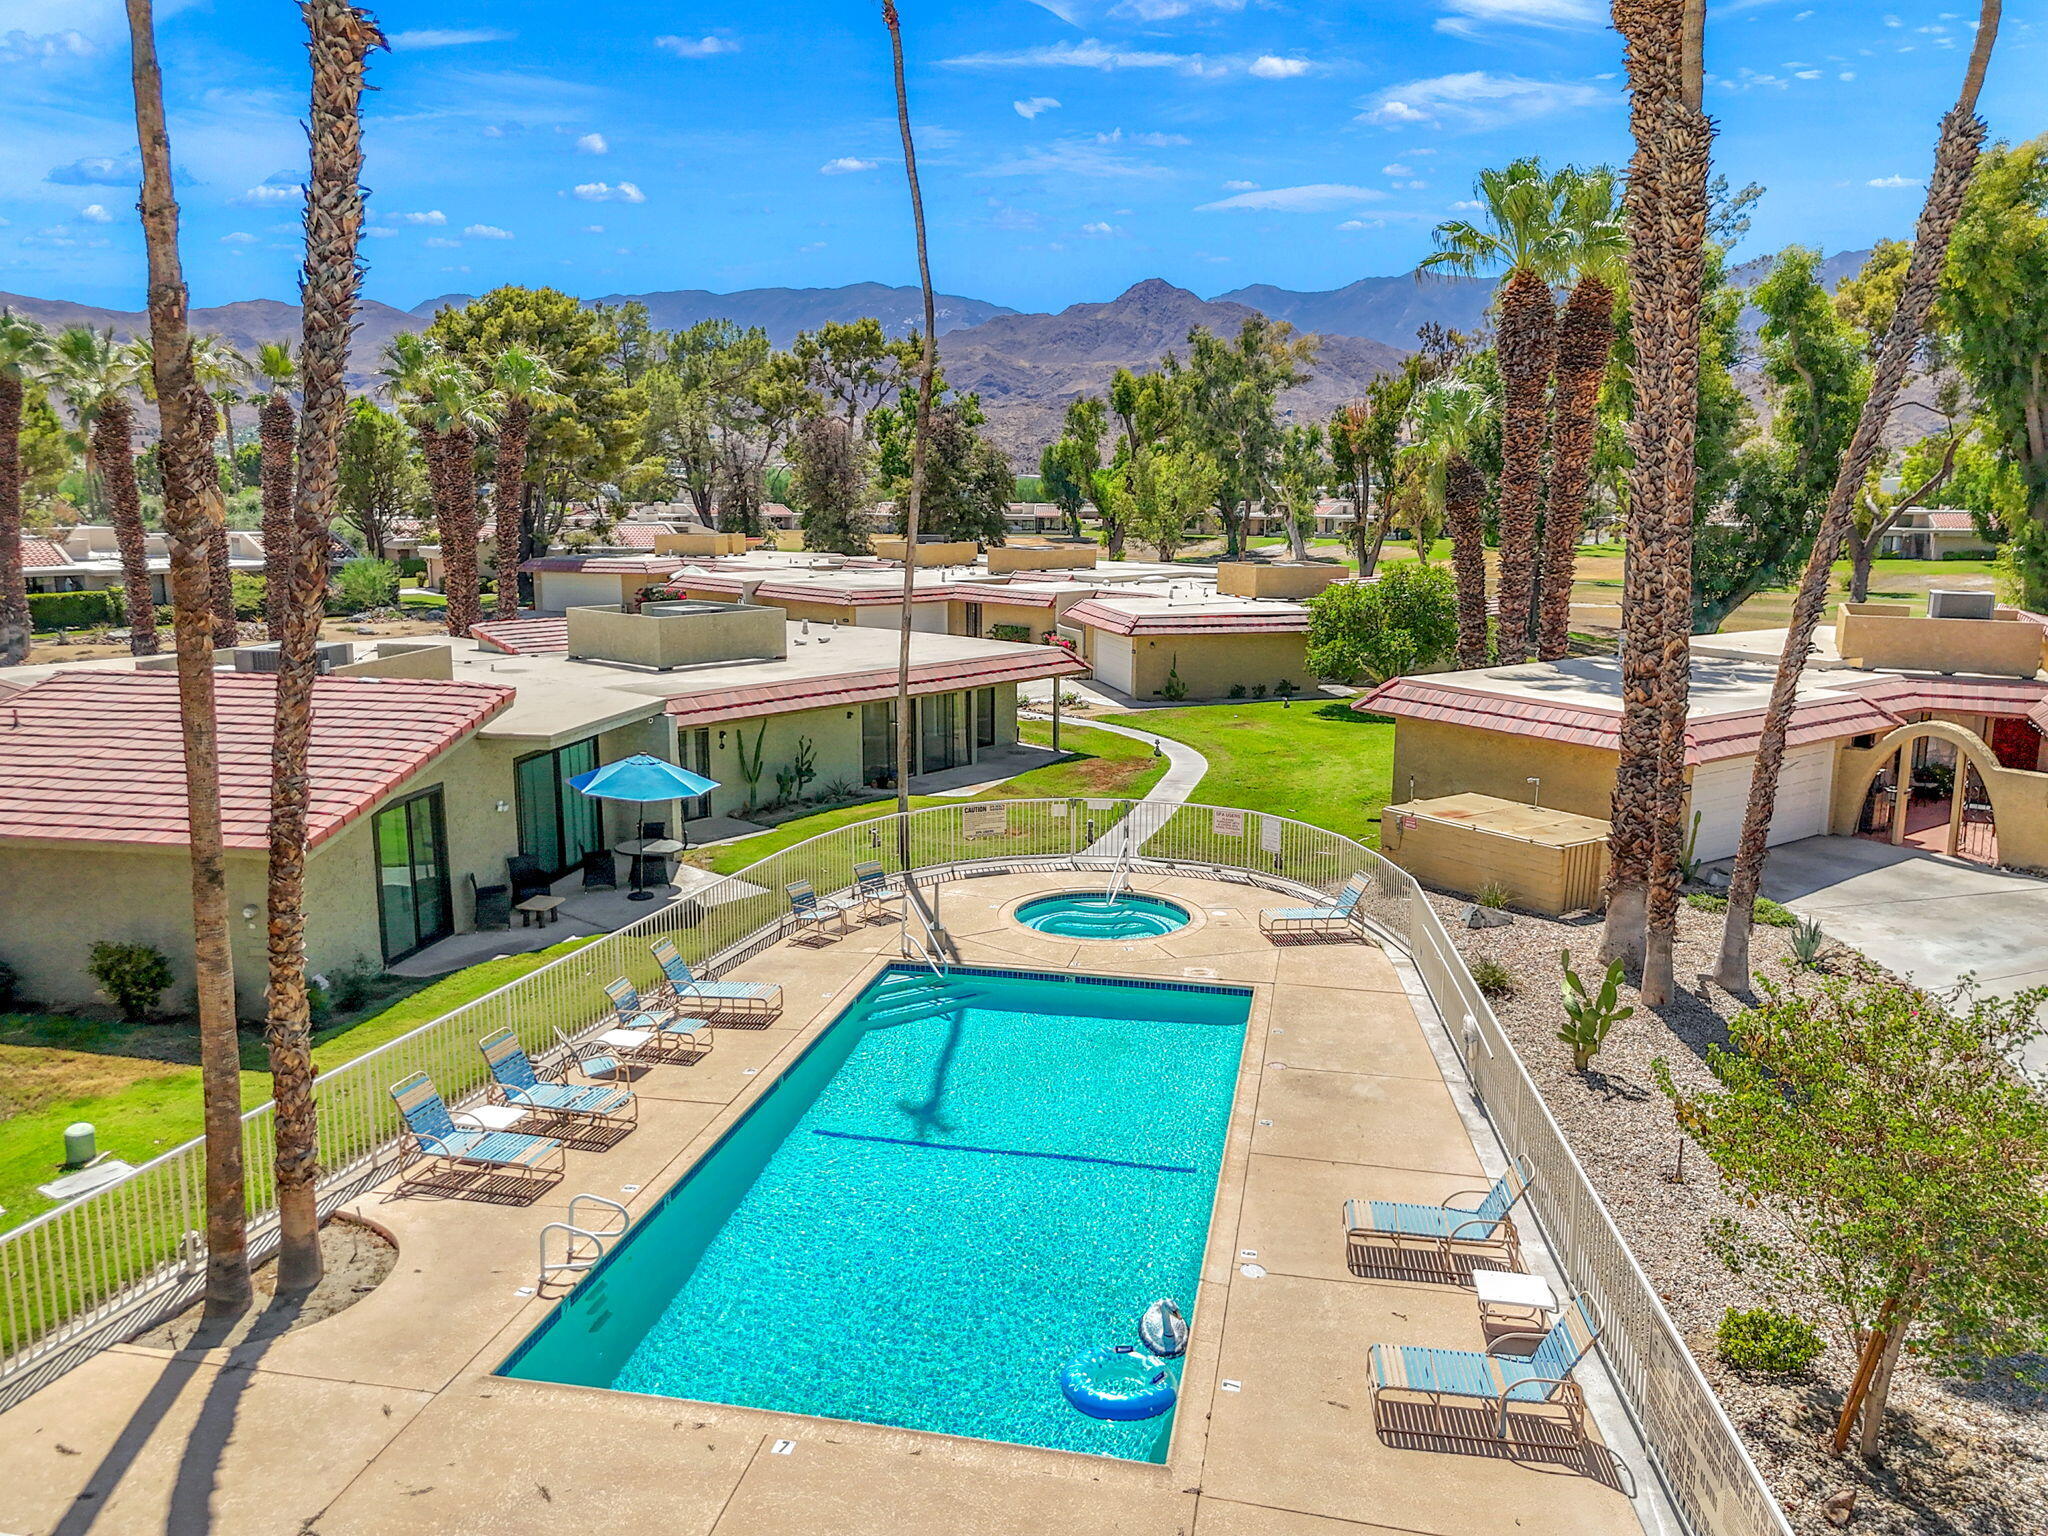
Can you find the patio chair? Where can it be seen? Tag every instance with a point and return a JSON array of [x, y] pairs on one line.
[[515, 1082], [609, 1054], [1440, 1228], [875, 889], [600, 870], [490, 905], [1342, 915], [812, 911], [1543, 1376], [667, 1031], [683, 989], [527, 877], [438, 1134]]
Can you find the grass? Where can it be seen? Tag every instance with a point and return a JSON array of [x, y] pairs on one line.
[[138, 1084], [1768, 912]]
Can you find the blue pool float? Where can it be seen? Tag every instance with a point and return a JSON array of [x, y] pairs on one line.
[[1119, 1383]]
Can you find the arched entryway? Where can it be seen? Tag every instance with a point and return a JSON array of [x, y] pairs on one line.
[[1931, 790]]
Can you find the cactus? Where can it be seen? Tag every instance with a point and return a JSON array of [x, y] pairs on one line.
[[1590, 1015]]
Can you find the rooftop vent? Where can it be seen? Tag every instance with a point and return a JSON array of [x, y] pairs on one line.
[[1946, 604], [269, 656]]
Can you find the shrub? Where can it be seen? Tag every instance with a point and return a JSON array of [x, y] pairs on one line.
[[837, 790], [1237, 690], [1807, 943], [1258, 690], [1017, 634], [348, 986], [1494, 894], [1763, 1340], [249, 592], [10, 983], [1590, 1015], [1768, 912], [1494, 979], [1174, 690], [364, 583], [133, 976], [413, 566], [74, 610]]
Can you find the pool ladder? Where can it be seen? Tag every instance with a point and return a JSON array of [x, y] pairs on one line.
[[582, 1245]]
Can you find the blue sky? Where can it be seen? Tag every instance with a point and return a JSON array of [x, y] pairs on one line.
[[1069, 147]]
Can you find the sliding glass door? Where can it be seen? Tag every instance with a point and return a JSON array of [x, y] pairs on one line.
[[413, 906], [557, 825]]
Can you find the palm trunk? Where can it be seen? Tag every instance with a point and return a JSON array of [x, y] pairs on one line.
[[1955, 160], [1862, 552], [1585, 336], [1464, 495], [459, 528], [113, 431], [511, 498], [221, 582], [341, 37], [14, 625], [1527, 346], [274, 424], [192, 509]]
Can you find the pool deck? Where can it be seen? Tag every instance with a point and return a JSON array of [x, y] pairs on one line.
[[386, 1418]]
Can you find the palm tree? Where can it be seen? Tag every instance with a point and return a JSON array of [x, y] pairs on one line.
[[1595, 247], [94, 373], [413, 364], [192, 508], [24, 353], [341, 37], [1447, 419], [274, 422], [222, 371], [459, 409], [1955, 161], [524, 383], [1522, 237]]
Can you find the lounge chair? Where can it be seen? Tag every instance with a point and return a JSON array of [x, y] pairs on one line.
[[438, 1134], [1342, 915], [812, 911], [681, 987], [657, 1032], [1544, 1376], [875, 889], [609, 1054], [515, 1082], [1488, 1226]]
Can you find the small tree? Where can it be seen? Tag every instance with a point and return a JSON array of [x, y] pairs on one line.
[[1405, 621], [134, 976], [829, 484], [1172, 486], [1908, 1160]]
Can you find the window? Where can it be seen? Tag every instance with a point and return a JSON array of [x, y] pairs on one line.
[[878, 746], [693, 751], [984, 717], [413, 907], [941, 737], [557, 825]]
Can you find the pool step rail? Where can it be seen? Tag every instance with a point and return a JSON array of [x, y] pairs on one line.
[[582, 1245]]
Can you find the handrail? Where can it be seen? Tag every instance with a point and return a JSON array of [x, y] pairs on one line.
[[571, 1262]]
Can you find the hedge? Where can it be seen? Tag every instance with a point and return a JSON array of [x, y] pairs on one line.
[[76, 610]]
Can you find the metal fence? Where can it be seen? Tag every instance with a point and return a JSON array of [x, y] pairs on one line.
[[87, 1273]]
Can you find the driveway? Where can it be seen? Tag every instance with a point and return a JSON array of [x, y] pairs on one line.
[[1932, 919]]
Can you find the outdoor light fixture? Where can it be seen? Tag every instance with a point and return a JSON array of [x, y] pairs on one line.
[[1535, 789], [504, 805]]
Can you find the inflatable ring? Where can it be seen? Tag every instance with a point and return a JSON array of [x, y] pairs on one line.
[[1119, 1383]]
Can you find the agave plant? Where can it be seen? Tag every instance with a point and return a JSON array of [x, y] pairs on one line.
[[1808, 942], [1590, 1015]]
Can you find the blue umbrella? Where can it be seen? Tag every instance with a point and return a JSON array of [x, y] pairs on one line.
[[641, 778]]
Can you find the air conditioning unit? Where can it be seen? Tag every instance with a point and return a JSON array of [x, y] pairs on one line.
[[268, 657], [1942, 604]]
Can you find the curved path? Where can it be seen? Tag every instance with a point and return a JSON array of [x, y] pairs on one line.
[[1184, 765]]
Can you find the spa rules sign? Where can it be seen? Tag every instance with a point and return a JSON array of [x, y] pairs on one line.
[[1227, 823]]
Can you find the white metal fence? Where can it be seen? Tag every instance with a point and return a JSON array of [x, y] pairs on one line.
[[87, 1273]]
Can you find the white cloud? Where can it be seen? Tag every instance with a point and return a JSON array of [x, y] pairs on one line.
[[487, 232], [93, 213], [1087, 54], [1315, 198], [429, 216], [268, 196], [696, 47], [593, 229], [1148, 140], [1893, 180], [1031, 106], [1808, 74], [239, 237], [846, 165], [1469, 15], [99, 171], [1396, 169], [441, 243], [1089, 158], [1358, 224], [593, 144], [1467, 205], [1475, 99], [1240, 186], [1061, 9], [1099, 230], [373, 231], [17, 47], [1270, 66], [1167, 10], [446, 37], [607, 192]]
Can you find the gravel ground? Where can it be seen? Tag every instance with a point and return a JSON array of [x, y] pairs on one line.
[[1959, 1457]]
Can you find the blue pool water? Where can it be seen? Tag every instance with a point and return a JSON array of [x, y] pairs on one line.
[[959, 1187], [1080, 915]]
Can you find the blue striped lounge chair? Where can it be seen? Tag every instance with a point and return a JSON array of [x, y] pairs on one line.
[[1341, 916], [681, 986], [437, 1135], [1541, 1377], [812, 911], [651, 1031], [875, 889], [1487, 1226], [515, 1082]]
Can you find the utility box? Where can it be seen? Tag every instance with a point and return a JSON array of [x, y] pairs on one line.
[[1543, 860]]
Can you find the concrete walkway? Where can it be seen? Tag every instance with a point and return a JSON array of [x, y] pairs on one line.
[[1184, 765]]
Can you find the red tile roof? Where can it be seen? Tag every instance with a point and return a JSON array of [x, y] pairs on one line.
[[1952, 522], [1960, 695], [42, 554], [1166, 620], [1023, 664], [1820, 718], [843, 596], [638, 535], [97, 757], [524, 637], [609, 565]]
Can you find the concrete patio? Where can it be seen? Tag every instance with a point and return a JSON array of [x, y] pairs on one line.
[[387, 1418]]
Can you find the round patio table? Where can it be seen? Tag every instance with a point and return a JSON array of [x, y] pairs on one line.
[[639, 850]]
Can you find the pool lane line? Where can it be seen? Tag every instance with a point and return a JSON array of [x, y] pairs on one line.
[[1062, 1157]]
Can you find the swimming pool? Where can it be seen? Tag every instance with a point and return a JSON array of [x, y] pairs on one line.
[[960, 1186], [1092, 915]]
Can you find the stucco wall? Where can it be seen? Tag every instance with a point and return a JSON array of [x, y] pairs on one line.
[[1037, 620], [1889, 635], [556, 590], [2019, 800], [1057, 557], [1259, 578], [1211, 665], [1432, 758]]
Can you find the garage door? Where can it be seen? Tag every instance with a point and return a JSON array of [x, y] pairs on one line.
[[1113, 661], [1720, 794]]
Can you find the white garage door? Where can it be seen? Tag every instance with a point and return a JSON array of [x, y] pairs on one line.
[[1720, 794], [1113, 661], [925, 618]]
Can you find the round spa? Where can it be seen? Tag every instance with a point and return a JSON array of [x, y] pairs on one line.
[[1092, 915]]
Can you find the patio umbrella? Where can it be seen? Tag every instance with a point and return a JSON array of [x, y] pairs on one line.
[[644, 779]]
